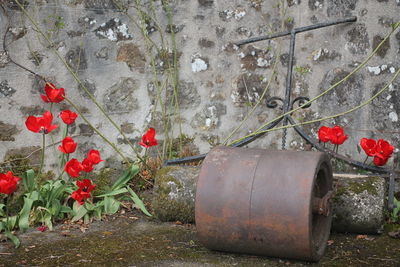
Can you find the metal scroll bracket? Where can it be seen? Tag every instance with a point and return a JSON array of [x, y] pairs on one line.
[[287, 105]]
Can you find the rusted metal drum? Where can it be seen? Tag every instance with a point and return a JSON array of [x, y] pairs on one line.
[[263, 202]]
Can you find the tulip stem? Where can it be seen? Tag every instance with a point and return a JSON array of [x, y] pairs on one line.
[[7, 215], [63, 161], [42, 156], [365, 159], [144, 159]]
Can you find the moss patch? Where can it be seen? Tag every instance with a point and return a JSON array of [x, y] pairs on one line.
[[359, 186], [166, 207]]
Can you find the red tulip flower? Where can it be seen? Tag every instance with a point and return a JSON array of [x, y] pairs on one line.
[[384, 149], [84, 190], [337, 135], [368, 145], [378, 161], [148, 139], [53, 94], [324, 134], [94, 156], [68, 117], [41, 124], [68, 145], [73, 168], [381, 150], [87, 165], [8, 183]]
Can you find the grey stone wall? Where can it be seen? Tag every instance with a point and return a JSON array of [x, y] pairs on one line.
[[218, 83]]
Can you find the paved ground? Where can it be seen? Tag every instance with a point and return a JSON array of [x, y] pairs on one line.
[[131, 240]]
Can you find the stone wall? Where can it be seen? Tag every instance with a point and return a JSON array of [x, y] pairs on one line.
[[218, 82]]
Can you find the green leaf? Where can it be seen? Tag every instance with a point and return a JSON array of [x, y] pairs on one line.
[[10, 223], [28, 179], [13, 238], [396, 210], [86, 219], [114, 192], [79, 211], [34, 195], [57, 191], [2, 206], [65, 209], [125, 177], [98, 209], [47, 220], [23, 221], [138, 202], [111, 205], [89, 206], [55, 207]]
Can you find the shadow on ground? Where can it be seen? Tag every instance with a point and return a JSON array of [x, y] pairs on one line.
[[131, 240]]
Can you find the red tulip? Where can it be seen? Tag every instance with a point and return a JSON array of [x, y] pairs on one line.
[[87, 165], [378, 161], [68, 145], [337, 135], [8, 183], [84, 190], [68, 117], [368, 145], [148, 139], [381, 150], [53, 94], [384, 149], [324, 134], [41, 124], [94, 156], [73, 168]]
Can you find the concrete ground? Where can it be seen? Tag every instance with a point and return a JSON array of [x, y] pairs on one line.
[[131, 240]]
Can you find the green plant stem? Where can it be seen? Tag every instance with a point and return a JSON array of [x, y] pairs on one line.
[[62, 161], [75, 76], [258, 131], [366, 159], [42, 155], [51, 135], [175, 74], [97, 131], [7, 210], [333, 116]]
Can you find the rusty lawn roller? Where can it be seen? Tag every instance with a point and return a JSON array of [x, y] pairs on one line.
[[262, 202]]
